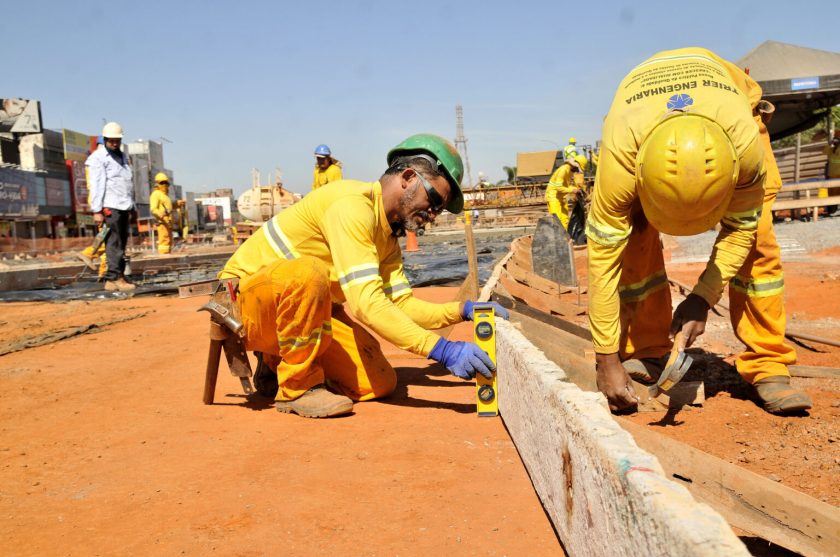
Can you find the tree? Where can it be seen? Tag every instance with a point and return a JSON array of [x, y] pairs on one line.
[[808, 136], [510, 171]]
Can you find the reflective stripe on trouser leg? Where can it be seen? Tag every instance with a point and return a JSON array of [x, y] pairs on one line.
[[560, 211], [286, 311], [756, 296], [645, 296], [164, 238], [354, 364]]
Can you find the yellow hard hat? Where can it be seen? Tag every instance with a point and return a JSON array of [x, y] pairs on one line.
[[161, 177], [686, 173], [582, 162], [572, 140]]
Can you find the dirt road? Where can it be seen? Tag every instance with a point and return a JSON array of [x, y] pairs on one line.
[[106, 449]]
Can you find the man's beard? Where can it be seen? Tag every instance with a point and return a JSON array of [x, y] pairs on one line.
[[407, 224]]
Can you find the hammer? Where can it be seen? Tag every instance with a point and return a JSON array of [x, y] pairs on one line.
[[675, 368]]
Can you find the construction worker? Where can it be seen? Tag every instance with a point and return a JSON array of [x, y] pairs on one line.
[[87, 255], [686, 148], [183, 218], [570, 150], [561, 193], [340, 244], [160, 206], [327, 169], [112, 202]]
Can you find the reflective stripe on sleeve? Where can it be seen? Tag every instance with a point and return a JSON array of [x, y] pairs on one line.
[[638, 291], [278, 241], [359, 274], [759, 288], [605, 235], [392, 289], [745, 220]]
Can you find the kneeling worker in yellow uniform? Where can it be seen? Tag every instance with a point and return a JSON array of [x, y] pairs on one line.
[[685, 148], [561, 192], [340, 244], [161, 207]]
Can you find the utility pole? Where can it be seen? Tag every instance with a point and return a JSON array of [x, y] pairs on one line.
[[461, 142]]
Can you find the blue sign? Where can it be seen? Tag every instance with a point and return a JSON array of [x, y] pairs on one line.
[[801, 83]]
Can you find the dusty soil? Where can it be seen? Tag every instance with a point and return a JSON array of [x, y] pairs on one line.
[[801, 452], [106, 449]]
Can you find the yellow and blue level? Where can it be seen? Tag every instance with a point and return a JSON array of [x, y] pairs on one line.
[[487, 390]]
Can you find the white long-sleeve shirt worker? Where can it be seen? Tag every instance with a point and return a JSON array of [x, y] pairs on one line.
[[110, 181]]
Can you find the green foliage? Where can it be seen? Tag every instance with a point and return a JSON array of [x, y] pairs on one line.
[[510, 171], [808, 136]]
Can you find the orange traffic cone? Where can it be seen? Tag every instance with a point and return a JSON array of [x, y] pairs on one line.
[[411, 241]]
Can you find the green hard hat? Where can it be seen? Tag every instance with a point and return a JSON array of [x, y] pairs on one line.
[[445, 154]]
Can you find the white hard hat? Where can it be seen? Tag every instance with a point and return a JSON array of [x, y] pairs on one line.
[[112, 130]]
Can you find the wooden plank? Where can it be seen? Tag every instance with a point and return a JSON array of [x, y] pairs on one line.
[[746, 500], [603, 494], [537, 299], [814, 371], [786, 204], [529, 278], [810, 185]]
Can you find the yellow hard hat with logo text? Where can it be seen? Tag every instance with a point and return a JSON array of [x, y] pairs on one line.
[[582, 162], [686, 173]]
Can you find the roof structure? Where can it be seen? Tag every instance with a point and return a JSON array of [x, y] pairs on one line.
[[801, 82]]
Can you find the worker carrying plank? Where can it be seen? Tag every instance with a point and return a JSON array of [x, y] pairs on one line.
[[685, 148], [160, 206], [327, 169], [340, 244]]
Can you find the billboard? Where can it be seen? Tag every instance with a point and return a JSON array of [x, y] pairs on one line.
[[20, 116], [18, 193], [76, 145]]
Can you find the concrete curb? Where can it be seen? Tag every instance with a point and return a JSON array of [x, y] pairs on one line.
[[604, 495]]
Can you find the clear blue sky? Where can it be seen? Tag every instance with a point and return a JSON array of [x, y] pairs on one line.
[[236, 85]]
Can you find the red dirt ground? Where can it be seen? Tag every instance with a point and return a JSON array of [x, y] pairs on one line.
[[106, 449]]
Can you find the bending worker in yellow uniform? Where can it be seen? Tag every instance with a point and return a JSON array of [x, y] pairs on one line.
[[561, 192], [327, 169], [340, 244], [161, 207], [685, 148]]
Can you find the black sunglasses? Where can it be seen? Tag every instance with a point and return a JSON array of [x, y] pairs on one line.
[[435, 199]]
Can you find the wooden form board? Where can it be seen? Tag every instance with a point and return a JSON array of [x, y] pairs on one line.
[[604, 495]]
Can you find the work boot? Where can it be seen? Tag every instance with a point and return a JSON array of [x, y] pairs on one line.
[[317, 402], [120, 285], [645, 370], [265, 378], [780, 397], [88, 261]]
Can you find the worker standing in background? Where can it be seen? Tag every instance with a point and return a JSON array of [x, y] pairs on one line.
[[112, 202], [160, 206], [685, 148], [340, 245], [327, 169], [832, 170], [183, 218], [561, 193], [570, 151], [87, 255]]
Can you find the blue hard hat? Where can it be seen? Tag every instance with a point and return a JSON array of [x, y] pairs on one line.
[[322, 151]]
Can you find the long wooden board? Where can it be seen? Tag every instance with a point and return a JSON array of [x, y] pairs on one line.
[[751, 502]]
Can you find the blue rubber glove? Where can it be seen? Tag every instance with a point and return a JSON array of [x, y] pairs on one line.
[[467, 313], [463, 359]]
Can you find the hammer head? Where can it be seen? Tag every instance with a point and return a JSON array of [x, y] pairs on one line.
[[675, 369]]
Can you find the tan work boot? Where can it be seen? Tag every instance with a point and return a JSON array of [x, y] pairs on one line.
[[646, 370], [317, 402], [780, 397], [120, 285]]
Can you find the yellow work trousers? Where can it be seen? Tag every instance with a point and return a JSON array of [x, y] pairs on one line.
[[561, 211], [164, 238], [756, 293], [287, 311], [645, 296]]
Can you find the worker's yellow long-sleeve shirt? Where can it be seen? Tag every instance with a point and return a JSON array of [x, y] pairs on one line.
[[559, 184], [324, 177], [833, 154], [160, 205], [345, 226], [694, 80]]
